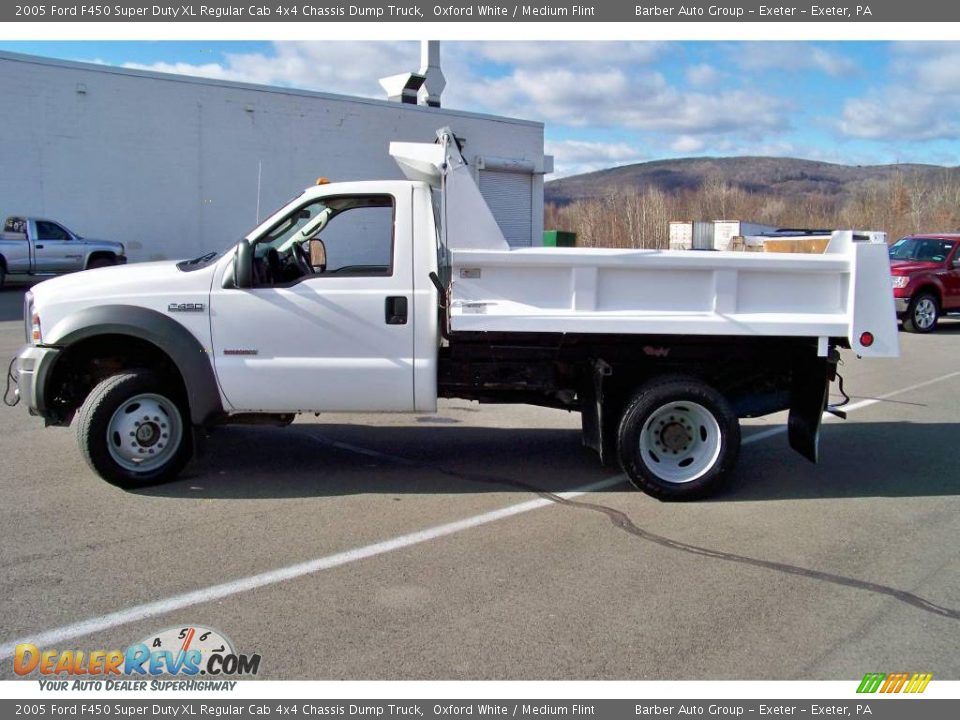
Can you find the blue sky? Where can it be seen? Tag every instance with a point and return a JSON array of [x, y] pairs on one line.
[[614, 103]]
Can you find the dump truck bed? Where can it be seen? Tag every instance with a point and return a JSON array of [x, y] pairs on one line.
[[842, 293]]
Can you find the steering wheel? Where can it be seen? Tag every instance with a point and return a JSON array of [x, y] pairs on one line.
[[299, 256]]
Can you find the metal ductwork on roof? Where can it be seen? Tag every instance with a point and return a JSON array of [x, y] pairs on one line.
[[434, 82], [402, 88], [424, 86]]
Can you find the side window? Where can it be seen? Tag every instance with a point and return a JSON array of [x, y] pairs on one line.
[[51, 231], [358, 239], [15, 225], [345, 235]]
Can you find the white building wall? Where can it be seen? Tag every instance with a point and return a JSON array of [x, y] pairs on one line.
[[169, 165]]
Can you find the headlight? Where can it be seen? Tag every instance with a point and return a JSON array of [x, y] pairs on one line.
[[35, 332], [31, 319], [28, 316], [899, 281]]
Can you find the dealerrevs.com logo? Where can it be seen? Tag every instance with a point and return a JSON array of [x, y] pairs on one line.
[[899, 682], [180, 651]]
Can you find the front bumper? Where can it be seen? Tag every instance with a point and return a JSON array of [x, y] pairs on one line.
[[901, 304], [33, 367]]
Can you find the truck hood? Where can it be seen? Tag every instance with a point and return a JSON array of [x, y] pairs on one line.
[[905, 267], [117, 280], [104, 243], [155, 286]]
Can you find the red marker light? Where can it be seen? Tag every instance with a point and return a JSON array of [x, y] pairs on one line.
[[866, 339]]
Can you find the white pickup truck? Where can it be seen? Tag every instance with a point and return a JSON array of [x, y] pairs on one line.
[[35, 247], [385, 295]]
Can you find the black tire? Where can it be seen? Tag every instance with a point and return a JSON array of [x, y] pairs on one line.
[[3, 274], [101, 262], [923, 313], [105, 401], [690, 446]]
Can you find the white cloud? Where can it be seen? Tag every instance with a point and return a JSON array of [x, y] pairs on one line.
[[792, 57], [551, 54], [612, 97], [921, 101], [572, 157], [702, 75], [900, 113], [573, 84], [688, 144], [563, 84], [351, 68]]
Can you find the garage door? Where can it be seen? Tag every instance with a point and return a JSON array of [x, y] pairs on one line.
[[510, 197]]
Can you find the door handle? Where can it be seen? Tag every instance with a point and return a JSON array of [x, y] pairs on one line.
[[395, 310], [38, 247]]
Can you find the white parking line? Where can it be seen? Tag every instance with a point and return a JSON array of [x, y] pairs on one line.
[[62, 634], [271, 577]]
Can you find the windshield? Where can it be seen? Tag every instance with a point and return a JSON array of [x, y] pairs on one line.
[[921, 249]]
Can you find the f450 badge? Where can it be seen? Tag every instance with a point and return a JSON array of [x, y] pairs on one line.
[[186, 307]]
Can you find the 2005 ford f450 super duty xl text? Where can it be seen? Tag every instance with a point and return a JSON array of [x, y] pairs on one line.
[[383, 296]]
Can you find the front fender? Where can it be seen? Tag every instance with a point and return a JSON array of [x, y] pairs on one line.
[[187, 353]]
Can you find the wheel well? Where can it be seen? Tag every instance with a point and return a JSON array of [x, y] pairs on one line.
[[84, 364], [100, 255], [931, 289]]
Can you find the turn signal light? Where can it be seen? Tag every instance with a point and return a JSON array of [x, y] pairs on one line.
[[866, 339], [35, 328]]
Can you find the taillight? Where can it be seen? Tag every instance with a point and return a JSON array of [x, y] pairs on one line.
[[866, 339]]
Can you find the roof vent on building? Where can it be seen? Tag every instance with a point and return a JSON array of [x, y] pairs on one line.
[[403, 88], [425, 85], [435, 82]]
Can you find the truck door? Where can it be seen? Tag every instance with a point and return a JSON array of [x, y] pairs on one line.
[[951, 280], [55, 249], [336, 336]]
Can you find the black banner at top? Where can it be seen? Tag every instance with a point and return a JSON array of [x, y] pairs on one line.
[[447, 11]]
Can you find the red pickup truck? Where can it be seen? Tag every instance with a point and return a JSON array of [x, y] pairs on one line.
[[926, 279]]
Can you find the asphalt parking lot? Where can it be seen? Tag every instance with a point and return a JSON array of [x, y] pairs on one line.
[[796, 572]]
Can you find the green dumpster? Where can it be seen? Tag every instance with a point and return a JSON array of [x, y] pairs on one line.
[[559, 238]]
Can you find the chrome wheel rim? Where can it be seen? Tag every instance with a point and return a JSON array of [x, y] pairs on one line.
[[680, 442], [144, 432], [924, 313]]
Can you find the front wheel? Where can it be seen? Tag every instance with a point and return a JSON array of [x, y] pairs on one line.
[[134, 431], [679, 439], [922, 314], [101, 262]]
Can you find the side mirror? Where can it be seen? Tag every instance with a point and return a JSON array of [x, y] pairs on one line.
[[318, 254], [243, 265]]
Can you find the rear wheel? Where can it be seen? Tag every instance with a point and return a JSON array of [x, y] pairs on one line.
[[678, 439], [134, 431], [922, 314]]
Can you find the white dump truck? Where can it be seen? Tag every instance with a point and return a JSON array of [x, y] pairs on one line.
[[382, 296]]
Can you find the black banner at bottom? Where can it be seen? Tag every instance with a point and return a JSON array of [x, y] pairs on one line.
[[870, 706]]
